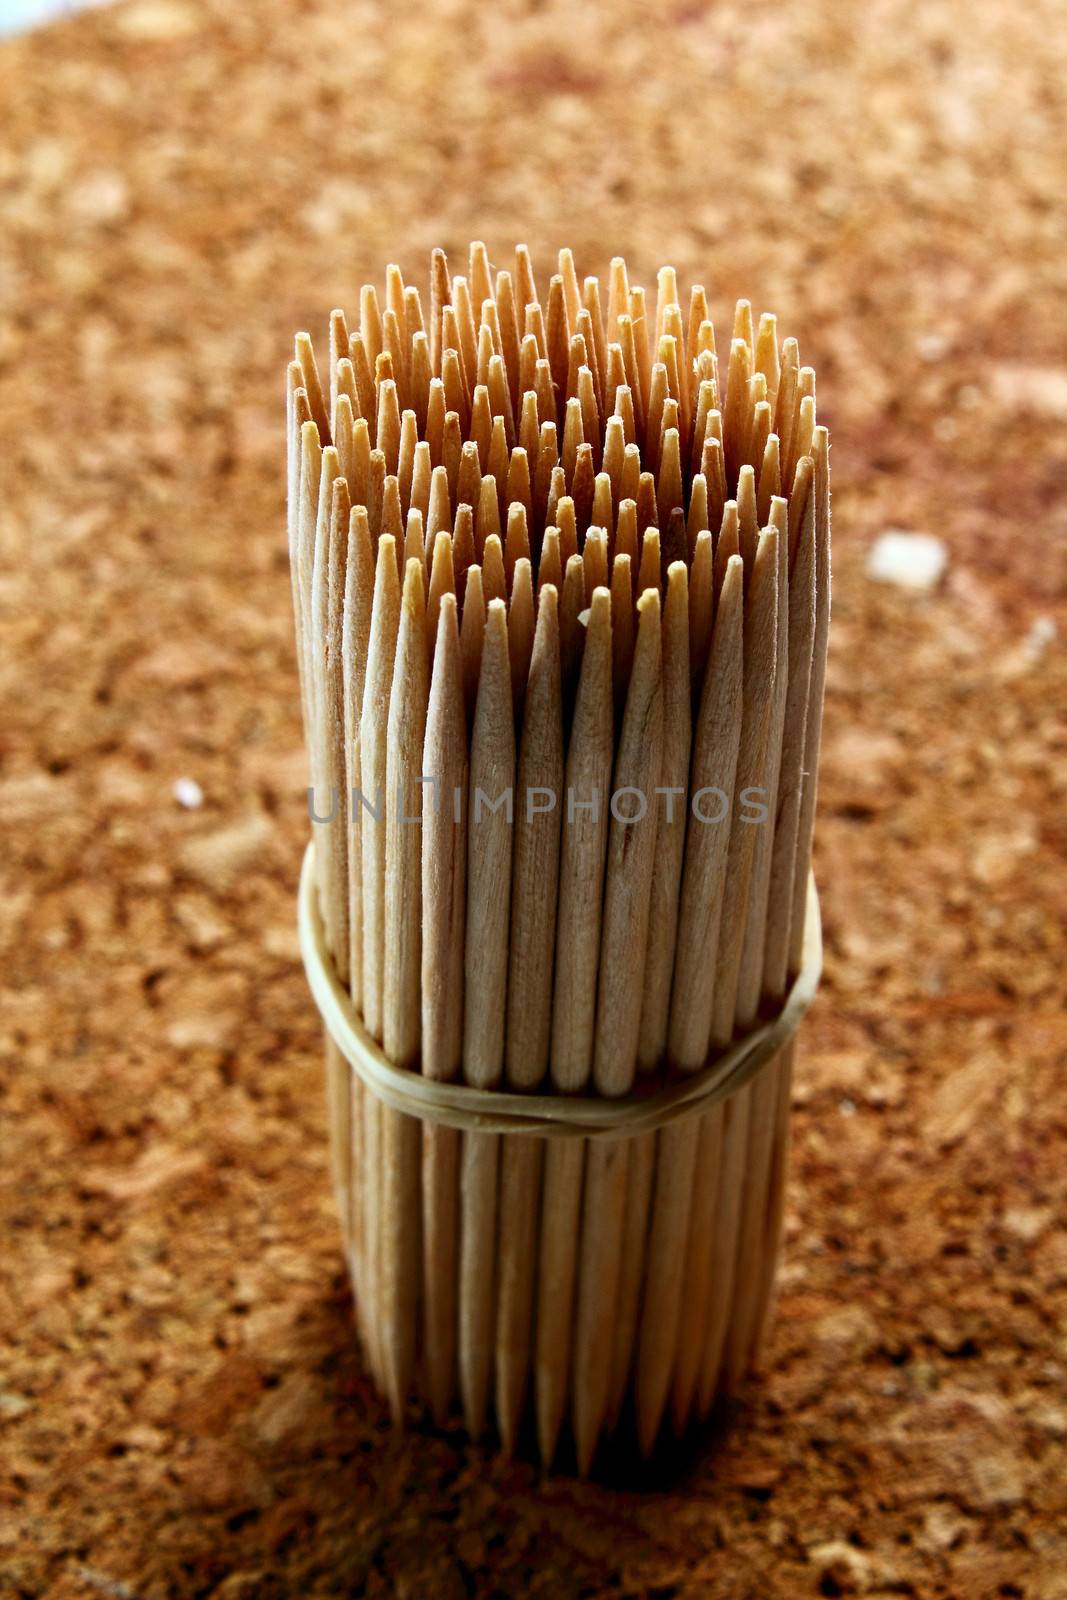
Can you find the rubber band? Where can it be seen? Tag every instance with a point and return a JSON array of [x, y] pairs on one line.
[[554, 1116]]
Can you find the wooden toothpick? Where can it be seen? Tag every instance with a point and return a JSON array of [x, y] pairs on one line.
[[561, 594]]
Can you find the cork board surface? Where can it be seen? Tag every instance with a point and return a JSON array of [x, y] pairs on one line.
[[182, 184]]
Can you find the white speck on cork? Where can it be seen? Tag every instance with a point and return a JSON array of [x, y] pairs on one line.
[[188, 793], [910, 560]]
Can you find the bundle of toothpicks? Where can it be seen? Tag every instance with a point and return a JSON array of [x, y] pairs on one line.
[[561, 588]]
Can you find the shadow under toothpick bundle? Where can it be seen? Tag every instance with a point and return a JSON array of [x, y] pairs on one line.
[[562, 602]]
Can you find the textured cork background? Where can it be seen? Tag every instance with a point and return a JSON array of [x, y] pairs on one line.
[[182, 184]]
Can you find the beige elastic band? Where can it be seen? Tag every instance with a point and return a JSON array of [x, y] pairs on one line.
[[556, 1116]]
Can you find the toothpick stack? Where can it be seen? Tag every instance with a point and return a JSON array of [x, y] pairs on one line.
[[542, 546]]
